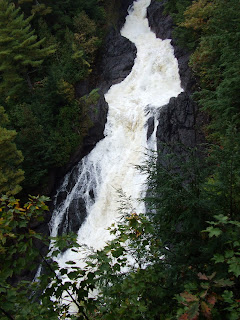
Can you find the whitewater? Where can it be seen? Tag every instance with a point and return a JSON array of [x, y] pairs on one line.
[[109, 171]]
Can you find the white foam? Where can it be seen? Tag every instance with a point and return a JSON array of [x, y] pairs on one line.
[[110, 166]]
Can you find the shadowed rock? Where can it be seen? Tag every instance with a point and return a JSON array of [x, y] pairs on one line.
[[180, 121], [162, 25]]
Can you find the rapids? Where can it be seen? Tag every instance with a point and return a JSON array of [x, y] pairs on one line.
[[109, 170]]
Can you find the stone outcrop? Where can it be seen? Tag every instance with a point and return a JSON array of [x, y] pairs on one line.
[[117, 61], [162, 26], [180, 120], [179, 125]]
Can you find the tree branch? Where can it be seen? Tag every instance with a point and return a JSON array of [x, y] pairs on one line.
[[69, 293]]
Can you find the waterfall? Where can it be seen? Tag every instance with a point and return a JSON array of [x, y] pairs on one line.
[[111, 166]]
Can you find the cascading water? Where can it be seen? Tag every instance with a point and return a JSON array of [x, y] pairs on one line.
[[111, 165]]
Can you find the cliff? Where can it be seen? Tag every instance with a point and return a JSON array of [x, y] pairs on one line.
[[180, 121]]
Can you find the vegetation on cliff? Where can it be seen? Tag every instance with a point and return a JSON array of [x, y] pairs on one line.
[[46, 49], [10, 158]]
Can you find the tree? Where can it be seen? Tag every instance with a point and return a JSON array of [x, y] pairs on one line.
[[20, 51], [10, 158], [18, 257], [20, 297]]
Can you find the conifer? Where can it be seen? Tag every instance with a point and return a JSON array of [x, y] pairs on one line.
[[10, 158], [20, 50]]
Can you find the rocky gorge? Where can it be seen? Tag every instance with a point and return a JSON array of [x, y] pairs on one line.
[[179, 121]]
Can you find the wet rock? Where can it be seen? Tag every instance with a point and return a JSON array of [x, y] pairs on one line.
[[180, 120], [124, 6], [179, 115], [74, 216], [118, 54], [82, 88], [188, 82], [118, 59], [91, 193], [159, 23], [150, 125], [162, 25], [62, 195], [179, 125]]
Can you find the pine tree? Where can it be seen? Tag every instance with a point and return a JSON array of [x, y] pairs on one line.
[[20, 51], [10, 158]]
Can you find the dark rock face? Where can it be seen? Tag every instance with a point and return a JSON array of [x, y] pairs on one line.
[[72, 220], [179, 124], [118, 59], [180, 120], [150, 124], [124, 6], [162, 26]]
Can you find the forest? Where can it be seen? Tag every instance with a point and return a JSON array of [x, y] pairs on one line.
[[186, 248]]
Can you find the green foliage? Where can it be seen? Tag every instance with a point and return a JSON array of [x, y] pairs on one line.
[[38, 79], [66, 122], [184, 37], [19, 256], [126, 269], [213, 295], [19, 49], [10, 158], [43, 298], [215, 61], [180, 261]]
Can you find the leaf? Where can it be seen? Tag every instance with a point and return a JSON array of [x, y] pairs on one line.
[[221, 218], [21, 209], [206, 309], [184, 317], [235, 267], [228, 296], [189, 297], [203, 294], [223, 283], [229, 254], [212, 276], [212, 299], [236, 243], [214, 232], [193, 311], [218, 258], [202, 276]]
